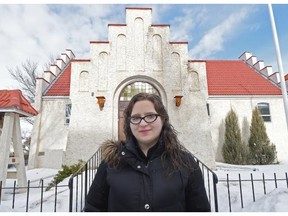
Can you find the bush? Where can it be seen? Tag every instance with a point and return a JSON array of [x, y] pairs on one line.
[[234, 150], [261, 150], [64, 173]]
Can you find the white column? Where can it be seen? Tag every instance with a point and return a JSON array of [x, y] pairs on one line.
[[5, 141], [18, 153]]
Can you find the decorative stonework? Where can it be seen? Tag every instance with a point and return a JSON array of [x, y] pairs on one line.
[[103, 71], [135, 52], [121, 52], [157, 55]]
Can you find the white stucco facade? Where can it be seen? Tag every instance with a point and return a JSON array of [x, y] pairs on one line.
[[139, 51], [136, 51], [243, 106]]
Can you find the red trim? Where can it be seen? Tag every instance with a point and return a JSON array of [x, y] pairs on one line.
[[178, 42], [65, 54], [258, 62], [250, 57], [80, 60], [243, 53], [99, 42], [160, 25], [57, 65], [196, 60], [265, 67], [134, 8], [61, 60], [273, 74], [50, 72], [117, 24], [71, 51], [42, 79]]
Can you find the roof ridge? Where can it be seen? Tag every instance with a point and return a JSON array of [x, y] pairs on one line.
[[56, 78], [234, 77], [14, 101]]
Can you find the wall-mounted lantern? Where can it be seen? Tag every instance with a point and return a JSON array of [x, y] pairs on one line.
[[101, 101], [178, 99]]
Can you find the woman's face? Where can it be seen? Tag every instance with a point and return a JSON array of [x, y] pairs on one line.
[[147, 134]]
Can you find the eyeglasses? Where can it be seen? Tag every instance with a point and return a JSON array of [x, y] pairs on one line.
[[148, 118]]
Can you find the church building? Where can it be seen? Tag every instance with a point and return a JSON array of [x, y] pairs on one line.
[[81, 101]]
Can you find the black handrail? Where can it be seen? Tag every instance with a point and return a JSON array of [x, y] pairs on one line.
[[90, 168], [214, 183]]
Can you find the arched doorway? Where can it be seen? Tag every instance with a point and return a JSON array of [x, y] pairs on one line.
[[125, 96]]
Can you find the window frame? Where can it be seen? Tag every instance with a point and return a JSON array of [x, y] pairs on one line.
[[265, 114], [68, 108], [136, 87]]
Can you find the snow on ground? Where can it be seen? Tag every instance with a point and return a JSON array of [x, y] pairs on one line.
[[275, 200]]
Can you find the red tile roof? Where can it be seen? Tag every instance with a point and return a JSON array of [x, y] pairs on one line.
[[14, 100], [234, 77], [61, 87], [224, 77]]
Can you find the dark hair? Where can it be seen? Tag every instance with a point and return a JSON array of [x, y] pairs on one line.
[[174, 151]]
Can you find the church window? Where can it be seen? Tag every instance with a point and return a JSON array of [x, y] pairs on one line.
[[68, 113], [208, 108], [84, 81], [135, 88], [264, 111], [193, 78]]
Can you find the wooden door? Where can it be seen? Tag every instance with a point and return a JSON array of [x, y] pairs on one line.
[[122, 106]]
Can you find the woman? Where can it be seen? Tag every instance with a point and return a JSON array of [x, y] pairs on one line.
[[151, 170]]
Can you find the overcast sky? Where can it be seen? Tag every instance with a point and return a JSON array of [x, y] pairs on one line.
[[222, 31]]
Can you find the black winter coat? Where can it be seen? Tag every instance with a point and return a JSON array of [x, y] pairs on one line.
[[140, 185]]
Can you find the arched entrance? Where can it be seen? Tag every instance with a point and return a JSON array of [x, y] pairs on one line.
[[125, 96]]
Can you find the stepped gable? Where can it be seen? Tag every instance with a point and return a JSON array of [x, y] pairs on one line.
[[51, 76], [224, 77], [14, 101], [58, 83], [258, 66], [234, 77], [61, 87]]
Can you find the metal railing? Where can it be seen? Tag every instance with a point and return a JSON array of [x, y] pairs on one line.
[[248, 188], [80, 182], [23, 198], [237, 190], [210, 180]]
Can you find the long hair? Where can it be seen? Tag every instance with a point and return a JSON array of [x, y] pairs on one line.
[[174, 150]]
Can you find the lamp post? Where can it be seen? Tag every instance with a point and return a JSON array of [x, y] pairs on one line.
[[279, 61]]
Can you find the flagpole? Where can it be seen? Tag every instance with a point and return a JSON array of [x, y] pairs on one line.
[[279, 61]]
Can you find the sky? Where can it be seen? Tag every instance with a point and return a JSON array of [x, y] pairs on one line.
[[36, 32], [213, 31], [275, 200]]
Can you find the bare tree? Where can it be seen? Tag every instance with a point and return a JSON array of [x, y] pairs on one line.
[[51, 60], [26, 75]]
